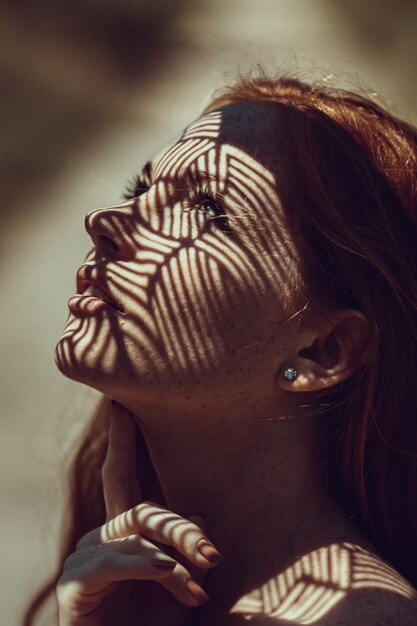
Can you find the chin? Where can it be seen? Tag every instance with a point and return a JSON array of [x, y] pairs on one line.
[[86, 352], [78, 369]]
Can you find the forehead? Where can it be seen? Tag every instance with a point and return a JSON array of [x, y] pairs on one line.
[[247, 132]]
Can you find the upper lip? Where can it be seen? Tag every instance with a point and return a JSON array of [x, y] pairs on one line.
[[89, 275]]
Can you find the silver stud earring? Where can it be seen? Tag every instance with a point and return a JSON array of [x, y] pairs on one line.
[[290, 373]]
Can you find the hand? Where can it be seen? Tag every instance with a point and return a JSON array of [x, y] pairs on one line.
[[131, 546]]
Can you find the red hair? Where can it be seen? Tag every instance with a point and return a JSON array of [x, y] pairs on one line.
[[351, 212]]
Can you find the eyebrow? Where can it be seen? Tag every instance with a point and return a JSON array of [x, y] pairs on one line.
[[188, 176]]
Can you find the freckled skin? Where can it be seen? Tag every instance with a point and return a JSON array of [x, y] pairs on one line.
[[198, 358], [225, 280]]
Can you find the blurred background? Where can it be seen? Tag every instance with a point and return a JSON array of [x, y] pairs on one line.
[[90, 90]]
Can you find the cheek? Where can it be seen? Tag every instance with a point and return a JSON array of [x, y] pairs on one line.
[[198, 312], [189, 305], [205, 314]]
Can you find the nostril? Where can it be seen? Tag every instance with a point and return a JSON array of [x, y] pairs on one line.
[[109, 242]]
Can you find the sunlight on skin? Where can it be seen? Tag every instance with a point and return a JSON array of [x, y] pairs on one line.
[[313, 586], [176, 273], [195, 296], [152, 522]]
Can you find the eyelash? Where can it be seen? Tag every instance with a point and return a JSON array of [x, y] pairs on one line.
[[201, 196], [198, 197], [134, 188]]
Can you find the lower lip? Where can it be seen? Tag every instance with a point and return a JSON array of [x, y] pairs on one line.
[[88, 304]]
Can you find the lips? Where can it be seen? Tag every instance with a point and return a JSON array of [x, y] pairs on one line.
[[89, 283]]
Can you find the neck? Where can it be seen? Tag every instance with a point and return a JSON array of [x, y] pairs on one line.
[[262, 485]]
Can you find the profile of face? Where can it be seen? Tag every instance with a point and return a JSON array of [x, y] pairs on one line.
[[198, 270]]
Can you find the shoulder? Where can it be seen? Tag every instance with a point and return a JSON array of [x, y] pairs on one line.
[[373, 607], [338, 585], [367, 608]]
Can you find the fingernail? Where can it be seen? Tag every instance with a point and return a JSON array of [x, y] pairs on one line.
[[163, 564], [196, 592], [209, 551]]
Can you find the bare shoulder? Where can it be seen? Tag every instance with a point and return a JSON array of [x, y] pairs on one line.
[[338, 585], [368, 608], [373, 607]]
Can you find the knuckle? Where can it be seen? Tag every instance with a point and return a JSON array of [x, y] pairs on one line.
[[67, 591], [131, 543], [104, 561], [185, 530], [141, 512], [146, 504]]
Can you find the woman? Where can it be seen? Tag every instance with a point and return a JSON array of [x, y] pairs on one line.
[[251, 308]]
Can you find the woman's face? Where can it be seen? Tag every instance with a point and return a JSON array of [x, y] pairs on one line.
[[200, 264]]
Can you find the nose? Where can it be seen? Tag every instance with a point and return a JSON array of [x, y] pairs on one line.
[[110, 229]]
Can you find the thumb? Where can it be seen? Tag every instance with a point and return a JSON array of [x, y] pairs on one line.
[[120, 485]]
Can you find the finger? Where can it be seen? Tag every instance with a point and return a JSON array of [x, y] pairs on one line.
[[132, 546], [182, 585], [188, 584], [199, 574], [97, 566], [120, 484], [95, 574], [157, 523]]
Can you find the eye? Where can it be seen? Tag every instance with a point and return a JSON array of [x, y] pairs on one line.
[[206, 201], [134, 188]]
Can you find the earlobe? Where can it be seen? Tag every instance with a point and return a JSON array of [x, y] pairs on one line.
[[337, 347]]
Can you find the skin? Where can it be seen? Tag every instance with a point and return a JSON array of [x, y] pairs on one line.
[[211, 322], [95, 588]]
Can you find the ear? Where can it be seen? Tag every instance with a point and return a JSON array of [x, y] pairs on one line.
[[334, 347]]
